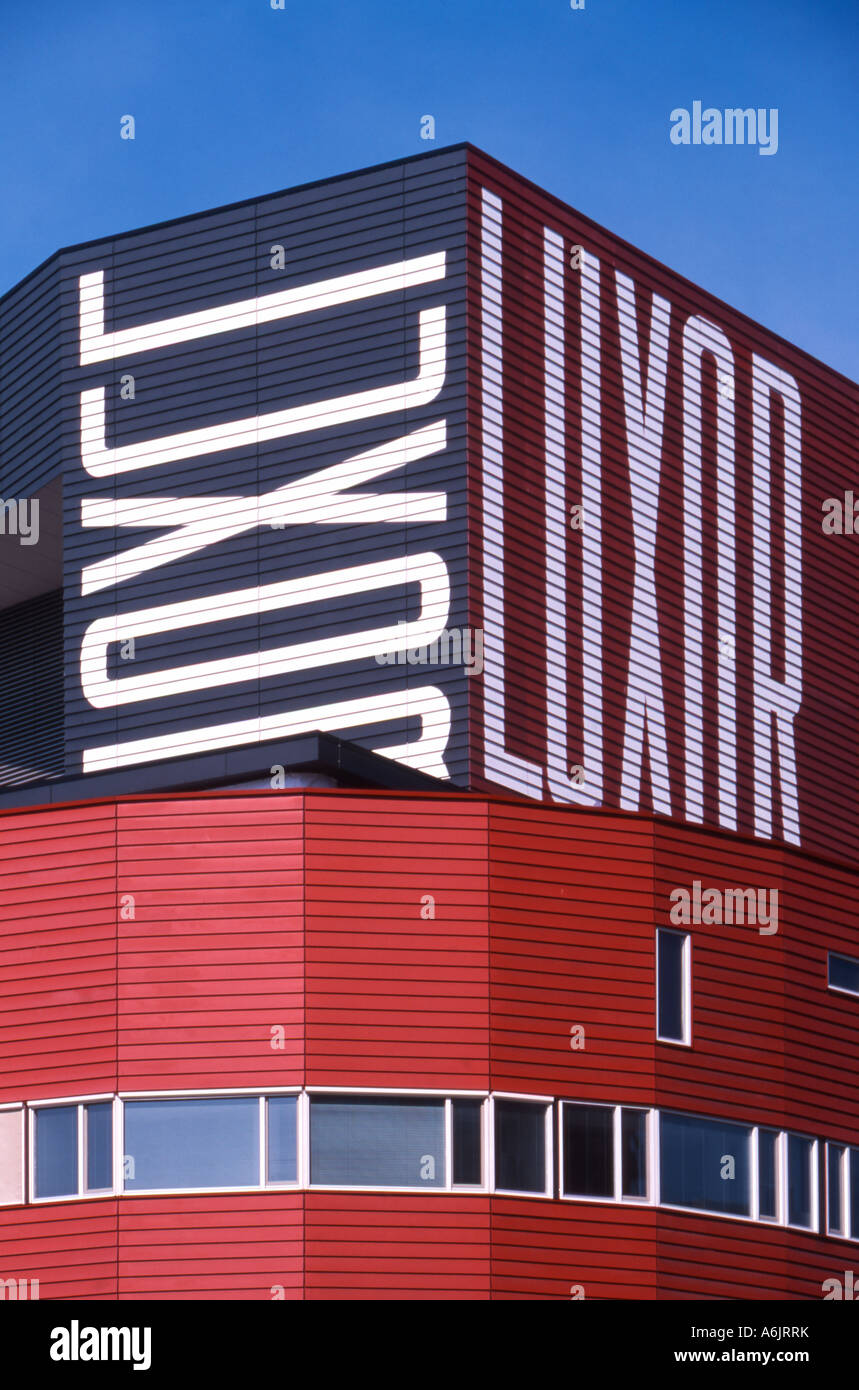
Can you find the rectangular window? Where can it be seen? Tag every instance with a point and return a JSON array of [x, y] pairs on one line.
[[704, 1164], [588, 1145], [282, 1131], [199, 1143], [800, 1211], [768, 1174], [834, 1189], [843, 973], [520, 1146], [673, 986], [99, 1146], [56, 1158], [373, 1142], [853, 1179], [11, 1156], [467, 1143], [633, 1153]]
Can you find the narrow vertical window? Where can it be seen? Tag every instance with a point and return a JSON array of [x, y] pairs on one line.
[[282, 1113], [799, 1189], [57, 1151], [673, 986], [834, 1197], [588, 1140], [99, 1146], [767, 1175], [11, 1156], [853, 1178], [633, 1153], [520, 1146], [467, 1147]]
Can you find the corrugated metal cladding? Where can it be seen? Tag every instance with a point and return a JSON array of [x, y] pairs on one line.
[[355, 1246], [684, 645], [31, 366], [348, 420], [153, 943], [31, 679], [259, 414]]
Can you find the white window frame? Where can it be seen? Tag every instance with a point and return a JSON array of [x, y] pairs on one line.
[[406, 1092], [10, 1108], [548, 1185], [839, 989], [484, 1151], [261, 1094], [753, 1174], [617, 1154], [814, 1180], [843, 1180], [686, 989], [68, 1102], [554, 1151], [265, 1180]]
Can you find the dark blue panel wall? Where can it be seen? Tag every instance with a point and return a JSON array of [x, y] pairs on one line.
[[343, 227]]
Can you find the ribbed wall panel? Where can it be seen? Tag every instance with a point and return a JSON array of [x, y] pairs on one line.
[[58, 952], [31, 679], [397, 942], [379, 1246], [303, 909], [232, 1247], [738, 984], [69, 1247], [30, 383], [513, 567], [571, 946], [213, 962], [216, 261]]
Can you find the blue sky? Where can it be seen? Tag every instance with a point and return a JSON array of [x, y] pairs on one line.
[[232, 99]]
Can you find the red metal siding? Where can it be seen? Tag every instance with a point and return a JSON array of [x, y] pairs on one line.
[[58, 958], [70, 1247], [396, 997], [236, 1246], [214, 958], [389, 1246], [304, 909], [830, 564], [572, 943]]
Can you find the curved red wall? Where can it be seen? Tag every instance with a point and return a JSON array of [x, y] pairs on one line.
[[307, 909]]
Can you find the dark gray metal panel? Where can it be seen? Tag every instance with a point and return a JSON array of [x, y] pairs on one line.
[[31, 690], [370, 220], [30, 364]]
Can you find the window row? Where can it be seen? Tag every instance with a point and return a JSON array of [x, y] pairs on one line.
[[239, 1141], [614, 1153], [674, 983]]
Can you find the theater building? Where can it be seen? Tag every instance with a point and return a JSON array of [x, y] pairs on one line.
[[428, 743]]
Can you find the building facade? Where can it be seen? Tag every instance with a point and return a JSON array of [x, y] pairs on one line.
[[427, 796]]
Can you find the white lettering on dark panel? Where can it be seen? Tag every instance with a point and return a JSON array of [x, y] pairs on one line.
[[640, 684], [322, 497]]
